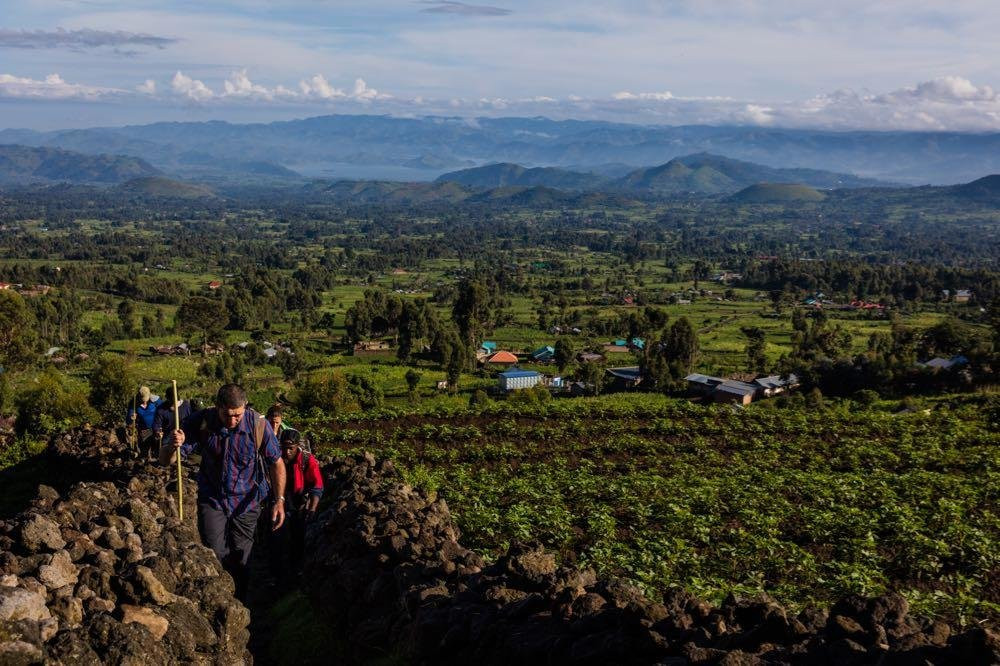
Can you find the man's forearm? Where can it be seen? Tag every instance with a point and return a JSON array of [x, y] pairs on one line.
[[278, 478]]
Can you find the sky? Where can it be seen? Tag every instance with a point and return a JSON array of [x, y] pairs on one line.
[[846, 64]]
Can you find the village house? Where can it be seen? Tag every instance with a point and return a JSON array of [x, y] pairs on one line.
[[939, 363], [37, 290], [214, 284], [702, 384], [368, 347], [501, 358], [589, 357], [544, 354], [737, 391], [515, 379], [625, 379], [733, 391], [619, 346], [774, 384]]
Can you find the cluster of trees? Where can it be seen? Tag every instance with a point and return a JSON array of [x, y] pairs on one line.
[[856, 279], [890, 364]]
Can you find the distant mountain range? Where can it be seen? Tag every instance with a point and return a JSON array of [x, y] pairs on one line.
[[24, 164], [700, 174], [415, 149]]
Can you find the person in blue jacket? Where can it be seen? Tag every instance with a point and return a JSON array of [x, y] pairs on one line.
[[142, 418]]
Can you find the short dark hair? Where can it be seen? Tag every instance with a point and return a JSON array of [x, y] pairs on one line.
[[290, 436], [231, 396], [274, 410]]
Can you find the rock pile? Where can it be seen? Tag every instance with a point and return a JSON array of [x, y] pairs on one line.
[[107, 573], [386, 568]]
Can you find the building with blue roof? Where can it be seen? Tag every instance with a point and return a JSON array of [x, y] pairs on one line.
[[515, 378], [544, 354]]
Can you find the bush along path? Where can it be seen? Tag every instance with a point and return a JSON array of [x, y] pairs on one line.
[[102, 571]]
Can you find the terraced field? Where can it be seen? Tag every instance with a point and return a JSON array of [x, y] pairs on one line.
[[807, 505]]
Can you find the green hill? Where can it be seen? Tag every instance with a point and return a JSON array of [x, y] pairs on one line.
[[514, 175], [704, 173], [25, 164], [983, 189], [379, 191], [777, 193], [156, 186]]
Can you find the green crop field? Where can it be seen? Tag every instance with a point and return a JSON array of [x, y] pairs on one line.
[[806, 505]]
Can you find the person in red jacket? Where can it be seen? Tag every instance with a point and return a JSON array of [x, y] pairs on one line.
[[303, 489]]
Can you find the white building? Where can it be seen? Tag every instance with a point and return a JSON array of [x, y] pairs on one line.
[[514, 379]]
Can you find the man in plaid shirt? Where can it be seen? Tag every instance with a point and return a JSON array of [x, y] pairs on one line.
[[235, 444]]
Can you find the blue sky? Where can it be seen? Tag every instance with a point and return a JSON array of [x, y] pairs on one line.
[[838, 65]]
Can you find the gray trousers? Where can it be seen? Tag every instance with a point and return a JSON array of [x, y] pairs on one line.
[[231, 538]]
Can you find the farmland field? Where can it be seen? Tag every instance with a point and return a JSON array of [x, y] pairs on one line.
[[806, 505]]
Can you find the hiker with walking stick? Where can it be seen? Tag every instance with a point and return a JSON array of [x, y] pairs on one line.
[[240, 463], [141, 417]]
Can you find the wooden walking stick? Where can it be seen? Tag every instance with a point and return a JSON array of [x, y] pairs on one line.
[[132, 429], [180, 480]]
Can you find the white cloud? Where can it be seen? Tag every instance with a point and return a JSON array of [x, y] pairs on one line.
[[239, 85], [51, 87], [658, 97], [945, 103], [943, 89], [756, 114], [192, 89], [318, 87], [362, 91]]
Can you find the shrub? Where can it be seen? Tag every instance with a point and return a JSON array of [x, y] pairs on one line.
[[326, 392], [52, 404], [112, 385], [478, 398]]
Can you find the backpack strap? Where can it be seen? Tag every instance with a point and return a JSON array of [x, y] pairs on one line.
[[259, 429], [303, 462]]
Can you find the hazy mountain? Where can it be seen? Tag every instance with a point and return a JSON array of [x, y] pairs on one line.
[[515, 175], [777, 193], [383, 192], [164, 187], [25, 164], [433, 145], [693, 174], [986, 189]]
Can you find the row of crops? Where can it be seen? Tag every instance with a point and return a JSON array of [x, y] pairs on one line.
[[806, 505]]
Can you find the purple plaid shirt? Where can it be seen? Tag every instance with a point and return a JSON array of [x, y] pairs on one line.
[[229, 478]]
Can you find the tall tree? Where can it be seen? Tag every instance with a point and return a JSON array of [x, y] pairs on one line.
[[681, 345], [564, 353], [756, 358], [17, 330], [206, 316], [473, 311]]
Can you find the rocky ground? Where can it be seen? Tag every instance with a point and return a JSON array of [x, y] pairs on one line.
[[106, 572], [103, 571]]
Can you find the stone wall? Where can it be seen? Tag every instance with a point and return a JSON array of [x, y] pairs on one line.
[[104, 572], [387, 569]]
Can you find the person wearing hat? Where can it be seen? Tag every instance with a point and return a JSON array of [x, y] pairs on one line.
[[163, 421], [143, 416]]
